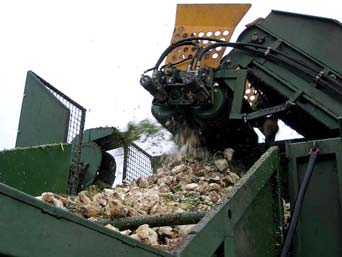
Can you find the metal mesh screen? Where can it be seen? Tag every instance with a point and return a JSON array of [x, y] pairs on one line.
[[137, 163], [74, 135]]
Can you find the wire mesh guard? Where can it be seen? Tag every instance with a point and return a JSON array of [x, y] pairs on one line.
[[74, 133], [137, 163]]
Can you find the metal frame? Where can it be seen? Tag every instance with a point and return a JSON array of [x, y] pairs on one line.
[[137, 163], [75, 133]]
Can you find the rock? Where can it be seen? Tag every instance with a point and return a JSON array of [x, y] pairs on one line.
[[221, 164], [166, 231], [213, 187], [93, 219], [110, 226], [142, 199], [163, 188], [91, 210], [231, 179], [209, 168], [181, 179], [159, 209], [228, 153], [214, 196], [116, 210], [100, 199], [179, 168], [147, 235], [184, 185], [126, 232], [205, 198], [142, 182], [53, 199], [83, 198], [183, 230], [234, 176], [203, 207], [165, 180], [136, 237], [185, 205], [199, 172], [215, 179], [190, 187], [170, 243], [160, 171]]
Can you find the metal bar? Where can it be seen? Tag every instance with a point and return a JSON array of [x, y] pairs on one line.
[[267, 111], [155, 220], [124, 172], [278, 204], [239, 91]]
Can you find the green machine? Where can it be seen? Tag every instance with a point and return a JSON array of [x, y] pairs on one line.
[[53, 151], [285, 66]]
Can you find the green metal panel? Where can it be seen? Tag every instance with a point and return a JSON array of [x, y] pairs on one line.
[[319, 37], [36, 169], [98, 134], [43, 118], [319, 230], [91, 157], [312, 103], [30, 227]]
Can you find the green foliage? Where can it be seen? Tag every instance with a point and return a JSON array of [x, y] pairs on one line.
[[145, 128], [176, 188], [135, 131]]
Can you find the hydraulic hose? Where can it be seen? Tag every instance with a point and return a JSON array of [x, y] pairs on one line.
[[170, 48], [299, 203], [253, 49], [272, 54], [187, 41]]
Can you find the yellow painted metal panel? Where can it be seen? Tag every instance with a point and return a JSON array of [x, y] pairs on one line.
[[204, 20]]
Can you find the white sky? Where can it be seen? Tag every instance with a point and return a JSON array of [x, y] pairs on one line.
[[95, 51]]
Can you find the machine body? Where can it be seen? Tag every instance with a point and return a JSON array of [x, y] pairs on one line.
[[271, 73]]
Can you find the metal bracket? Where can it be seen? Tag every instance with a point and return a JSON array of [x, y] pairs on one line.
[[274, 46], [235, 80], [265, 112]]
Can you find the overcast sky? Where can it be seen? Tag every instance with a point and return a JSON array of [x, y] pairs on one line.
[[95, 51]]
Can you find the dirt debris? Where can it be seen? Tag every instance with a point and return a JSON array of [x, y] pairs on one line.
[[189, 184]]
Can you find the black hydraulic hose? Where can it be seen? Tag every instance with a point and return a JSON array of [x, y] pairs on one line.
[[268, 53], [299, 203], [272, 55], [250, 46], [169, 49], [187, 41], [241, 46], [176, 63]]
